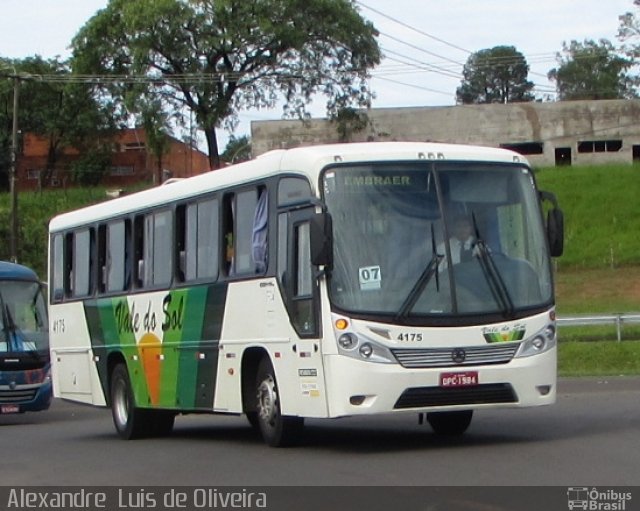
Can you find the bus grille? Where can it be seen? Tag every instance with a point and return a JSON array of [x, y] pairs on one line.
[[443, 357], [16, 396], [490, 393]]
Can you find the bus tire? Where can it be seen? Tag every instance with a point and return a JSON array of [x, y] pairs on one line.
[[130, 422], [277, 430], [252, 418], [450, 423]]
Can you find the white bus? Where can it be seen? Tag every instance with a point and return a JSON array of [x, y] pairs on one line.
[[316, 282]]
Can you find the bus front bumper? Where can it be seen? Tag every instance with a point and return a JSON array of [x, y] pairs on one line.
[[357, 387]]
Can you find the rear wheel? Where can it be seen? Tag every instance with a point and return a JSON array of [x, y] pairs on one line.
[[450, 423], [277, 430], [130, 422]]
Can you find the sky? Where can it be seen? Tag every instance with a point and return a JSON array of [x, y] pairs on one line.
[[425, 42]]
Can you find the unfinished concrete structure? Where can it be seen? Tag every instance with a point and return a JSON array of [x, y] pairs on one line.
[[559, 133]]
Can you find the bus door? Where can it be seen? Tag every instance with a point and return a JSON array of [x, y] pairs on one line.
[[299, 284]]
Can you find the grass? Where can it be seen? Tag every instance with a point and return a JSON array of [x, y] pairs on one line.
[[598, 290], [599, 358], [601, 213]]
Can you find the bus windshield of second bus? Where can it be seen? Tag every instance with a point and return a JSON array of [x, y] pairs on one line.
[[409, 264], [24, 342]]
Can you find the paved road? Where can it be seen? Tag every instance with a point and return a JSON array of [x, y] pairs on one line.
[[590, 437]]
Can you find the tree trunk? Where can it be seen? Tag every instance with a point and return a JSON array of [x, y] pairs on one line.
[[212, 144]]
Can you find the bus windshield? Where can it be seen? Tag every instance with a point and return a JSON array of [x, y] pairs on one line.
[[435, 240], [23, 321]]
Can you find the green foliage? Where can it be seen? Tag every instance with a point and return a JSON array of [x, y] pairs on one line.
[[604, 358], [90, 167], [591, 70], [237, 150], [35, 210], [601, 213], [216, 58], [495, 75], [54, 106]]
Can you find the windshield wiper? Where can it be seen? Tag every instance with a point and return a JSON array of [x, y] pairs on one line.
[[496, 283], [423, 280]]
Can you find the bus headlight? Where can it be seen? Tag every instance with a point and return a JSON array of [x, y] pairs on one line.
[[348, 341], [541, 342], [351, 345]]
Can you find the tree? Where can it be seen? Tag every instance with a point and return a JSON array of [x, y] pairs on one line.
[[56, 106], [629, 33], [216, 58], [495, 75], [6, 121], [237, 150], [591, 70]]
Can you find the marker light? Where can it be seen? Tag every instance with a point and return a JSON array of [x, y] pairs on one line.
[[341, 324]]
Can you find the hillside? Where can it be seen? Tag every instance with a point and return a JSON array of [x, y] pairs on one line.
[[602, 214]]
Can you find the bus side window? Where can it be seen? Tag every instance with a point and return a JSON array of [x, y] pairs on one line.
[[138, 251], [68, 264], [57, 269], [201, 243], [103, 260], [228, 206], [117, 256], [303, 309], [295, 271], [82, 262], [245, 226]]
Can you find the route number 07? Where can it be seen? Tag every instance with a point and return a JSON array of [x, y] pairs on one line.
[[370, 277]]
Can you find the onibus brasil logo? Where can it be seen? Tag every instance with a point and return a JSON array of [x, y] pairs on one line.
[[594, 499]]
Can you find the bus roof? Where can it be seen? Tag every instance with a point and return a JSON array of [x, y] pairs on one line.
[[307, 161], [13, 271]]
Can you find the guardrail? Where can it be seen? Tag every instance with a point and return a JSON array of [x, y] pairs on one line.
[[618, 319]]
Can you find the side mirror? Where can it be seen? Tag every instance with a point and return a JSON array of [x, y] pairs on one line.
[[555, 225], [321, 239], [555, 232]]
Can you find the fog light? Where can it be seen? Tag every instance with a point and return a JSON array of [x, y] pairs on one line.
[[356, 400], [347, 341], [550, 332], [366, 350], [544, 389], [538, 343]]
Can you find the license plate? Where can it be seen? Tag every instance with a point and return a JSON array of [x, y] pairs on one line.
[[464, 379], [9, 409]]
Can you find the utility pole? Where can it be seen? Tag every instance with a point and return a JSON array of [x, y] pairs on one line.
[[14, 170]]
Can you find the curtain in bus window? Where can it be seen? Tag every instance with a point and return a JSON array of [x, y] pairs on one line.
[[259, 240]]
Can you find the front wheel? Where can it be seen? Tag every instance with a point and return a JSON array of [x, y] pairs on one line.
[[277, 430], [450, 423], [130, 422]]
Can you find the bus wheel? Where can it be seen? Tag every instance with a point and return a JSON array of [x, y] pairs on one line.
[[450, 423], [277, 430], [130, 422]]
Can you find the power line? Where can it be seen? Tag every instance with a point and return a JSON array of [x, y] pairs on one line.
[[422, 32]]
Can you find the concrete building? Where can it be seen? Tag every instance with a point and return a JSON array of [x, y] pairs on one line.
[[131, 162], [559, 133]]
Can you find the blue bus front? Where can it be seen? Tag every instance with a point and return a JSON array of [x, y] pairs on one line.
[[25, 379]]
